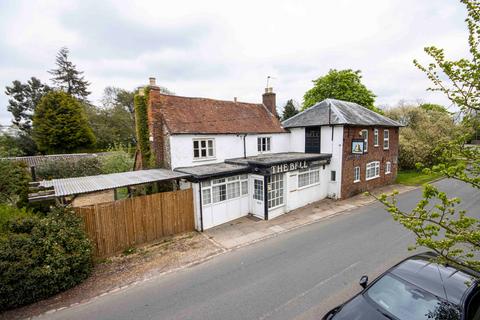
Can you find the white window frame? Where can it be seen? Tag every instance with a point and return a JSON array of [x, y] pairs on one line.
[[258, 191], [264, 144], [234, 187], [375, 137], [275, 190], [386, 139], [372, 166], [356, 174], [388, 167], [365, 138], [311, 175], [206, 148]]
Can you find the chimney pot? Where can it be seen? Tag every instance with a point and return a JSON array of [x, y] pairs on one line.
[[152, 81]]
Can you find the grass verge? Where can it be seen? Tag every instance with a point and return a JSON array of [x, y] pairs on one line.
[[415, 177]]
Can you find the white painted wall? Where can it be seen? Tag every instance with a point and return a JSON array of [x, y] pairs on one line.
[[297, 139], [227, 146], [335, 149]]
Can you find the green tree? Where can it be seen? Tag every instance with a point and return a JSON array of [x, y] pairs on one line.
[[340, 84], [113, 123], [434, 107], [60, 124], [289, 110], [421, 128], [67, 78], [23, 98], [436, 220]]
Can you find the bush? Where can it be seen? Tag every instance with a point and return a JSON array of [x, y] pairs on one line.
[[69, 168], [8, 213], [40, 257], [14, 182], [117, 161]]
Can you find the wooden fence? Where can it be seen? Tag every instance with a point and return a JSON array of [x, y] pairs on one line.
[[115, 226]]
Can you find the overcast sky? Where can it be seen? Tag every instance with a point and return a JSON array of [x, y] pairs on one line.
[[226, 49]]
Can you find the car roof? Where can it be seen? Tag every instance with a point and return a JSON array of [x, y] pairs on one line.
[[445, 282]]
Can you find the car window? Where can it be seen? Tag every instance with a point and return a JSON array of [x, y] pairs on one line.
[[473, 308], [408, 302]]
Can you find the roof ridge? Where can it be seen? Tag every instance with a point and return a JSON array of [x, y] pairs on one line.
[[302, 112], [211, 99], [334, 108]]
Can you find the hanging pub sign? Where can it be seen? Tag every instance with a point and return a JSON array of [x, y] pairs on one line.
[[358, 146]]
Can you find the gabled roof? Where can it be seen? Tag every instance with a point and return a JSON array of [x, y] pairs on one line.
[[332, 111], [202, 115]]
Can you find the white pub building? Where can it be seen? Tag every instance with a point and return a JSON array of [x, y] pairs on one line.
[[241, 160]]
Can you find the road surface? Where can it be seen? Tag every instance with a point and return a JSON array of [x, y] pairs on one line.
[[296, 275]]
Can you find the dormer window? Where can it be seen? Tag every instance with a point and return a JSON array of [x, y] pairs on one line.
[[263, 144], [203, 148]]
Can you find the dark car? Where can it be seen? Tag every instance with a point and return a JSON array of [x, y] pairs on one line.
[[416, 288]]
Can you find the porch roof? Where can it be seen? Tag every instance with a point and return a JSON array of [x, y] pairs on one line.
[[271, 159], [78, 185], [214, 170]]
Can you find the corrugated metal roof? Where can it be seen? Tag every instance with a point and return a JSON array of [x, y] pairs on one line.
[[33, 161], [332, 111], [72, 186]]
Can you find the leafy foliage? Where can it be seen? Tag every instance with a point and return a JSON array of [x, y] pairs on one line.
[[67, 78], [8, 212], [118, 161], [289, 110], [69, 168], [8, 147], [343, 85], [40, 257], [14, 182], [141, 124], [60, 124], [113, 123], [434, 107], [421, 128], [23, 99], [436, 221]]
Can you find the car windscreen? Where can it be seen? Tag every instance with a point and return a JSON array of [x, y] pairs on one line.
[[394, 296]]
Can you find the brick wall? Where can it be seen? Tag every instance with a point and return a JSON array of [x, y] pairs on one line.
[[160, 145], [374, 153]]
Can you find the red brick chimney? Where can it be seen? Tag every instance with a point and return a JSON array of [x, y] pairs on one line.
[[269, 100]]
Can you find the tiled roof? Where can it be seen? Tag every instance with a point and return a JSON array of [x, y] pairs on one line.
[[202, 115], [332, 111], [33, 161]]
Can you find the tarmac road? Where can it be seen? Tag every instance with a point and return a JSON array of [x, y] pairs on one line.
[[296, 275]]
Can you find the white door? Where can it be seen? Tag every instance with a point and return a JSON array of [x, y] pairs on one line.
[[257, 196]]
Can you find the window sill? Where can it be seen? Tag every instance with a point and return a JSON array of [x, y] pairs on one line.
[[388, 173], [203, 159], [356, 181], [386, 148], [367, 179], [279, 206]]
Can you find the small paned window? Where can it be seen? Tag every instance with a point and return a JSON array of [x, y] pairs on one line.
[[263, 144], [333, 175], [356, 174], [386, 139], [308, 177], [375, 137], [203, 148], [258, 189], [372, 170], [388, 167], [275, 190], [364, 134]]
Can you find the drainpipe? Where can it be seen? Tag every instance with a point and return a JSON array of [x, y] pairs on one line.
[[244, 146], [201, 206]]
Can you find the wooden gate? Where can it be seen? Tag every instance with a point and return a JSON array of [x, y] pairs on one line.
[[115, 226]]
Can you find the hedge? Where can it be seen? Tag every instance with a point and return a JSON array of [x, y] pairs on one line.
[[40, 257]]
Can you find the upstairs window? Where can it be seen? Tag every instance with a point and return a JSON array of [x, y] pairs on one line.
[[386, 139], [372, 170], [364, 134], [375, 137], [203, 148], [263, 144]]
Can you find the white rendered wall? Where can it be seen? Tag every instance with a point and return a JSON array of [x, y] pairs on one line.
[[335, 148], [227, 146]]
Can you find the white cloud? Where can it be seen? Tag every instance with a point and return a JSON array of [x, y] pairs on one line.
[[222, 49]]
